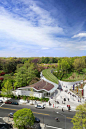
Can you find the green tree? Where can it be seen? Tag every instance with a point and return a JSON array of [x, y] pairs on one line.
[[24, 75], [7, 88], [79, 64], [63, 67], [23, 118], [79, 120]]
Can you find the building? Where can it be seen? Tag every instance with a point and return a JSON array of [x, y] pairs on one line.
[[84, 93], [40, 89]]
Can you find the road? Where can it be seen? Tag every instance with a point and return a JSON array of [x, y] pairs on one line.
[[47, 115]]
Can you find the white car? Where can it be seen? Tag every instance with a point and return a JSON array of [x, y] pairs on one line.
[[39, 106]]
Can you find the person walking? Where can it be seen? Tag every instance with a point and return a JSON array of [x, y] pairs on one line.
[[62, 110]]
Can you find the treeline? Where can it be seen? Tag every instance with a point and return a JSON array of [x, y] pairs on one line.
[[9, 65]]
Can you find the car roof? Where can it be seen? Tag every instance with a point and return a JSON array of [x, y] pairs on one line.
[[11, 113]]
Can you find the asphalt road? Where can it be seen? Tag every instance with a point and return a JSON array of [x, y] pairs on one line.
[[47, 115]]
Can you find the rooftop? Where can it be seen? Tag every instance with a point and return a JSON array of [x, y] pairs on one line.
[[40, 85]]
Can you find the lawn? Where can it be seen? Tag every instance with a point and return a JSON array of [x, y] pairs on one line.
[[74, 76], [48, 75]]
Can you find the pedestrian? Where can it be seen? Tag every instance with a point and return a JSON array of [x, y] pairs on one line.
[[62, 110], [68, 99]]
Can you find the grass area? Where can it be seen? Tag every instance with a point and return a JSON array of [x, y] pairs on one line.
[[74, 76], [48, 75]]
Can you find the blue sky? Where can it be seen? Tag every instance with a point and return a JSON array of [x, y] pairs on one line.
[[36, 28]]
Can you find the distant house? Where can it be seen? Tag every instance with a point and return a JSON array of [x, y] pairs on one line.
[[40, 89]]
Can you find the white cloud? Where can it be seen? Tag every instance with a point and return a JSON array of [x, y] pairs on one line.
[[23, 30], [45, 48], [80, 35]]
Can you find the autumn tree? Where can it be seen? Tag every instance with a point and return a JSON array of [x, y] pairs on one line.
[[23, 118], [79, 120]]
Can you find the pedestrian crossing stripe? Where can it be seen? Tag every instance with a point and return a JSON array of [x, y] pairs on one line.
[[53, 127]]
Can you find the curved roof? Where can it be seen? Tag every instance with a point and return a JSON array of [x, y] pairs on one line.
[[40, 85]]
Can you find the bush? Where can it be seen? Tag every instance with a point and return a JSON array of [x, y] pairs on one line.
[[15, 97], [24, 97]]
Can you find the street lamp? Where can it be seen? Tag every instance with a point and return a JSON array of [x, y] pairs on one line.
[[65, 118]]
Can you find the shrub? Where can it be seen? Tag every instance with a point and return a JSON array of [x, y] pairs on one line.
[[24, 97], [15, 97]]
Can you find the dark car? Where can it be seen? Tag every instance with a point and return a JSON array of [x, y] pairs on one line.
[[14, 103], [8, 102], [1, 101], [37, 120], [11, 114], [6, 126]]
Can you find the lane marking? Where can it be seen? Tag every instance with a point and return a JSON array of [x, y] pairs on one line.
[[42, 113], [69, 117], [17, 109], [8, 108]]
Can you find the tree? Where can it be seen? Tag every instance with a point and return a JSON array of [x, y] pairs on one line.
[[23, 118], [24, 75], [79, 120], [79, 64], [63, 66], [7, 88]]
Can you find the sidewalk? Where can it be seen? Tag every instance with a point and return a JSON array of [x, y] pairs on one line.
[[10, 121]]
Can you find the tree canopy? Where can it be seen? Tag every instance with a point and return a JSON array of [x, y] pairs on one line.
[[24, 75], [79, 64], [7, 88], [23, 118], [79, 120]]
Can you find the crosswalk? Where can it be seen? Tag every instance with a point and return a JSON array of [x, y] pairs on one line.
[[2, 104], [52, 127]]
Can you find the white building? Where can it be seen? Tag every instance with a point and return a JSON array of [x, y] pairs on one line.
[[40, 89]]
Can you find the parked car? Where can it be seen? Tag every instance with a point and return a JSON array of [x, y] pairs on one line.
[[40, 106], [8, 102], [37, 120], [11, 114], [14, 103], [1, 101], [6, 126]]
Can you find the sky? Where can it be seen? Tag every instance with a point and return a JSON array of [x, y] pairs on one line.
[[42, 28]]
